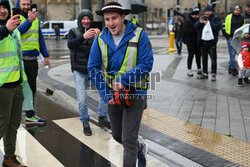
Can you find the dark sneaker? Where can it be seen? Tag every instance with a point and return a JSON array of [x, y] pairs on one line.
[[203, 76], [86, 128], [213, 78], [104, 122], [141, 155], [240, 82], [35, 120], [234, 72], [246, 80], [12, 162]]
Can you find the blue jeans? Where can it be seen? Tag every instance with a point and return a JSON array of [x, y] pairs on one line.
[[81, 81], [232, 53], [178, 43]]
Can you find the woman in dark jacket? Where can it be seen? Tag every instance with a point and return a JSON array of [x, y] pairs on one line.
[[190, 39]]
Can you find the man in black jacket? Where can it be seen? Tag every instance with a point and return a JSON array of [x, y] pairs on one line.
[[80, 40], [190, 39], [247, 12], [208, 47], [233, 21]]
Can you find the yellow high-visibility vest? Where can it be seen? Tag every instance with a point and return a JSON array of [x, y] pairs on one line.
[[9, 61], [129, 62], [30, 39], [228, 22]]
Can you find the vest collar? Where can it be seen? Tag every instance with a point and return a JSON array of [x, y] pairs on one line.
[[129, 34]]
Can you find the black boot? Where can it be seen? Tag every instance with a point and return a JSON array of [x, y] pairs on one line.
[[104, 122], [246, 80], [86, 128], [240, 82]]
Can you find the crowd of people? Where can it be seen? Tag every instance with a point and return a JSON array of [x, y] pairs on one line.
[[117, 60], [192, 32]]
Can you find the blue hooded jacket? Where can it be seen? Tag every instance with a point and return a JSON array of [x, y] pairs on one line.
[[115, 60], [23, 28]]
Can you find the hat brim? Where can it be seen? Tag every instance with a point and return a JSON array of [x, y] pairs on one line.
[[122, 11]]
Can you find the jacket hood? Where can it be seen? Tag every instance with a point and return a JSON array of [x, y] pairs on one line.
[[6, 4], [18, 3], [84, 12]]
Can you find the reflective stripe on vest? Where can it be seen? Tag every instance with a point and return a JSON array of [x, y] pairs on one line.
[[6, 54], [129, 62], [30, 39], [9, 61]]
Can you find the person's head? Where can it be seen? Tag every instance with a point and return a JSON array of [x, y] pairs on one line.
[[237, 10], [84, 18], [179, 20], [248, 7], [114, 17], [208, 10], [195, 13], [4, 10], [245, 46], [25, 6]]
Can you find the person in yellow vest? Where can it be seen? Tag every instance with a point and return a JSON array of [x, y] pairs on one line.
[[120, 60], [32, 45], [14, 88], [233, 21]]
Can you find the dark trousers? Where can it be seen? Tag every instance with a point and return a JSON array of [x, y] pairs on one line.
[[211, 50], [178, 43], [193, 49], [31, 70], [11, 101], [125, 123]]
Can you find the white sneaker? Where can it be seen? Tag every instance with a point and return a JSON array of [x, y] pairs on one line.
[[190, 73]]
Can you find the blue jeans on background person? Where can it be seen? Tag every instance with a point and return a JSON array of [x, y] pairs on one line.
[[178, 43], [81, 82], [232, 53]]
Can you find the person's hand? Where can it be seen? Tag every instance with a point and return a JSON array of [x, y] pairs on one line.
[[97, 31], [13, 23], [112, 101], [89, 34], [203, 21], [46, 61], [117, 86], [241, 69], [32, 15]]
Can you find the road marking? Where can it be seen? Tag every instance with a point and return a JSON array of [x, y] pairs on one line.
[[31, 151]]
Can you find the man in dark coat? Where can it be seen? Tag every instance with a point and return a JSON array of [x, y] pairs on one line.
[[233, 21], [247, 12], [208, 47], [80, 40]]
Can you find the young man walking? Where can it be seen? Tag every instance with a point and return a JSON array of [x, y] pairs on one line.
[[120, 57]]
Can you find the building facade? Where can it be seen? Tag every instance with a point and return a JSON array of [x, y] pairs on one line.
[[157, 12]]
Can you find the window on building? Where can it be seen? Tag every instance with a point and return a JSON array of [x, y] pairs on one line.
[[161, 12], [156, 12]]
